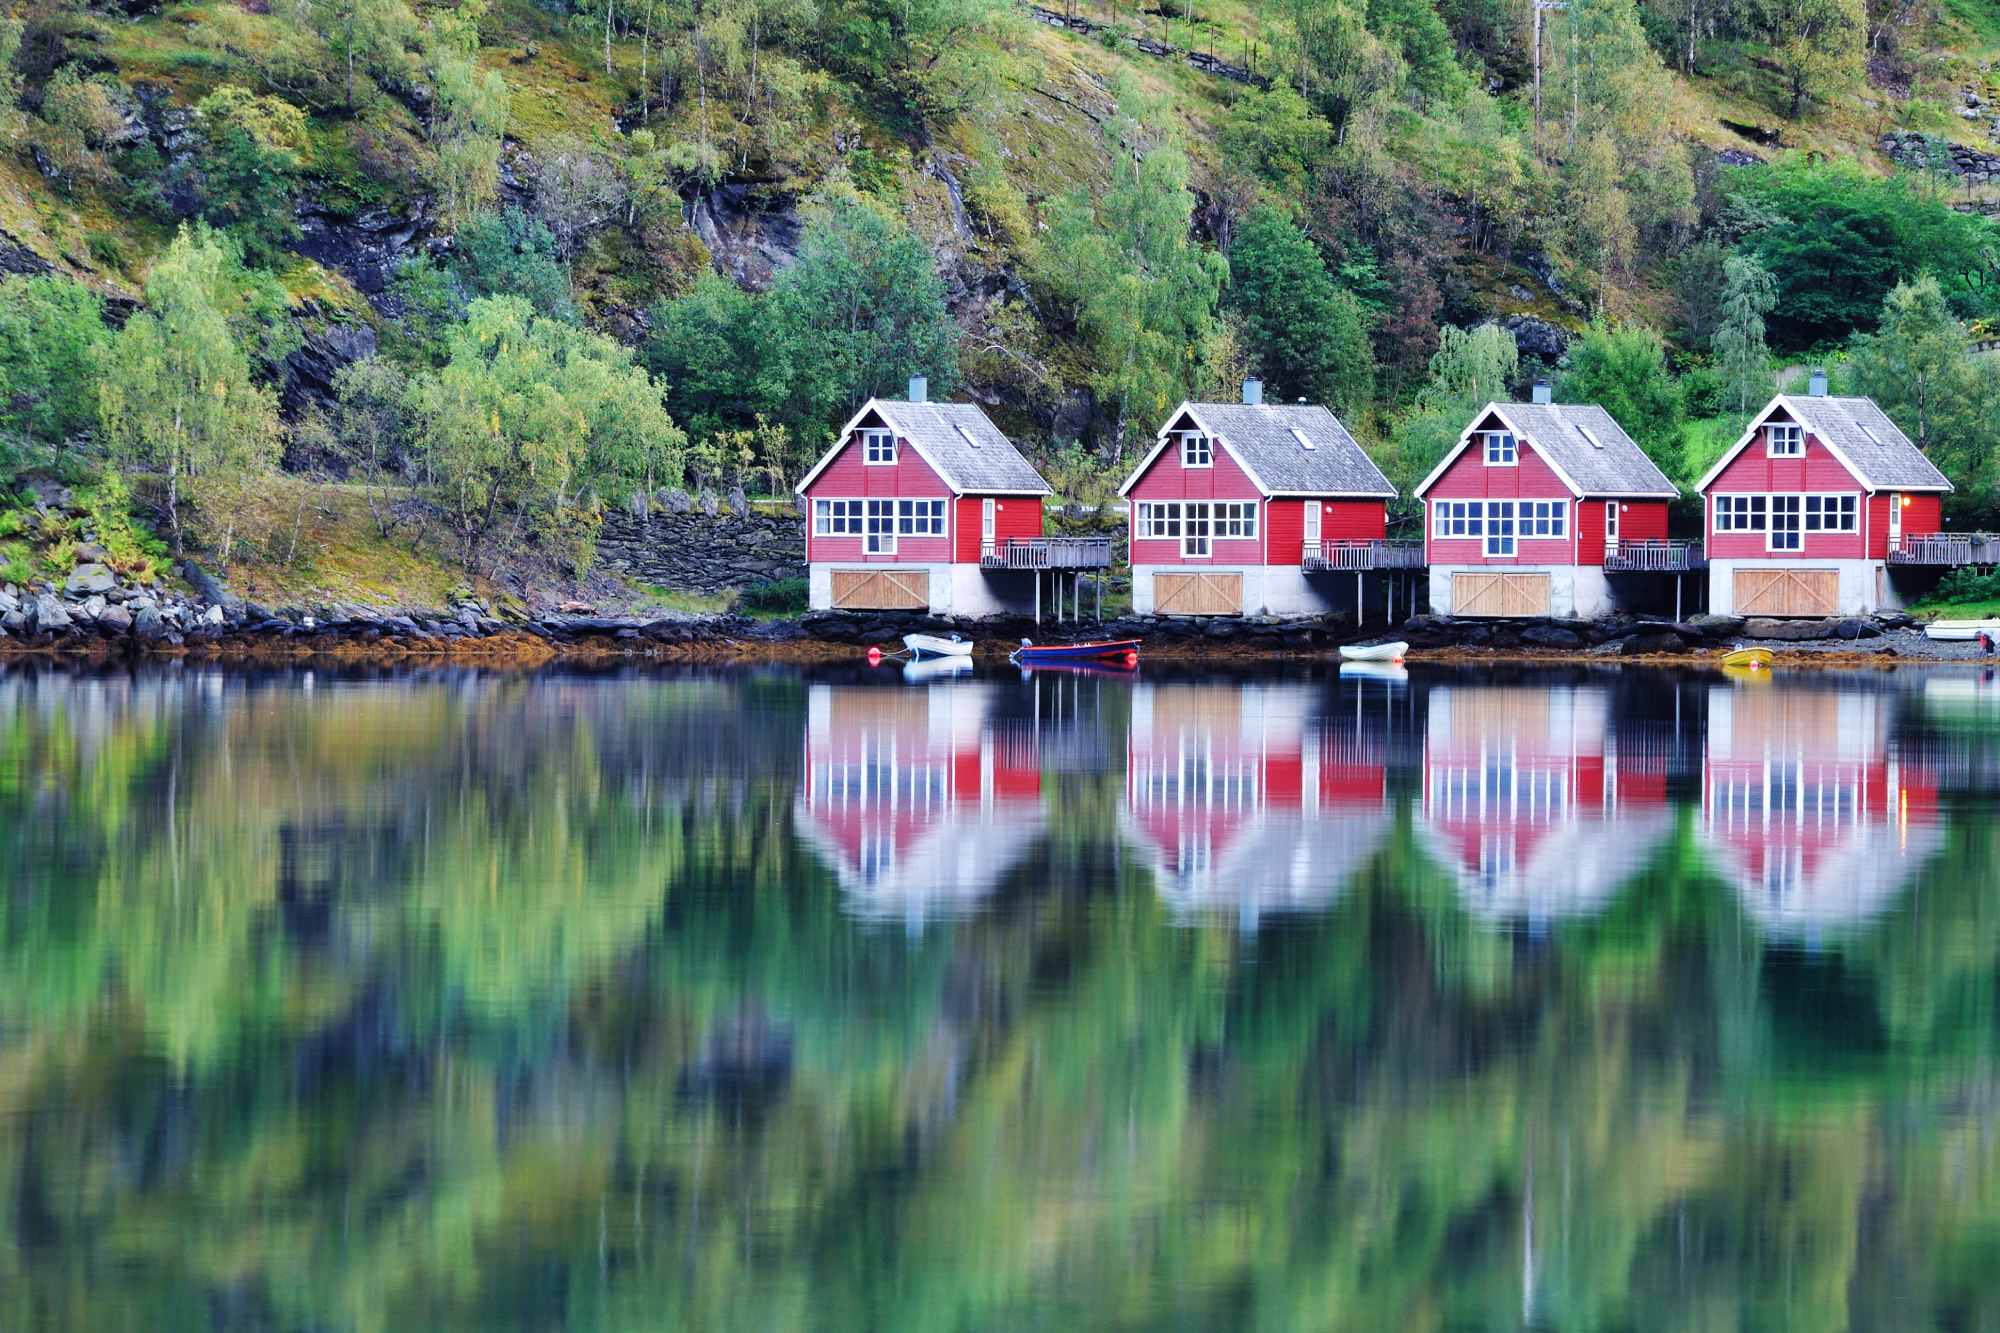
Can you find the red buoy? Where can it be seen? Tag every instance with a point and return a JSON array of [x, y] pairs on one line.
[[1131, 659], [874, 654]]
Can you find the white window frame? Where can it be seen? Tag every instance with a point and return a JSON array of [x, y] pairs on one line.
[[1197, 530], [1791, 433], [1500, 448], [1499, 545], [838, 518], [920, 518], [1741, 511], [878, 527], [1197, 449], [1779, 537], [878, 447], [1843, 506], [1234, 520], [1458, 519], [1542, 520]]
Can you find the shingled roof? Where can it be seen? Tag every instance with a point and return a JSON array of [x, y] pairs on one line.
[[1582, 442], [964, 447], [1859, 433], [1287, 448]]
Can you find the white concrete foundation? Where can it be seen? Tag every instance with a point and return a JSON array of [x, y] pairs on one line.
[[1576, 592], [957, 590], [1277, 590], [1866, 586]]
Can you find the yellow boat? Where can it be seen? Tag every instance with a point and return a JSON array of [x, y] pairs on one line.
[[1748, 659]]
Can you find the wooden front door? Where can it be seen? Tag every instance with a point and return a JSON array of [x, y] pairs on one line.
[[1499, 594], [1787, 592], [881, 589], [1198, 594]]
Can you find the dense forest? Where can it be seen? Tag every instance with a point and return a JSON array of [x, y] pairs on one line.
[[478, 272]]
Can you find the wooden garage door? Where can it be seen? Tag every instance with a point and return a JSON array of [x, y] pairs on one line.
[[1499, 594], [1198, 594], [1787, 592], [881, 589]]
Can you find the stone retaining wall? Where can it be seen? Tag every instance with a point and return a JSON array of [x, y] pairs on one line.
[[704, 553]]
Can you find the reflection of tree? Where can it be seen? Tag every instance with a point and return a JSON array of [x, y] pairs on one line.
[[475, 1004]]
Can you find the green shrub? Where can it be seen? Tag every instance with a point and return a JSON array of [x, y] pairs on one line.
[[777, 596], [16, 563], [1968, 585]]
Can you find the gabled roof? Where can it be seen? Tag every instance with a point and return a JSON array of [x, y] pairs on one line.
[[963, 447], [1261, 438], [1855, 431], [1581, 442]]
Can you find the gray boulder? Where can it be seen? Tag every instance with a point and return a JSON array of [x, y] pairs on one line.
[[1551, 636], [8, 602], [115, 619], [1716, 627], [1793, 631], [148, 624], [49, 614], [90, 578], [1655, 641], [15, 621]]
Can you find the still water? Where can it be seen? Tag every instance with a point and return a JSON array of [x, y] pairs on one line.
[[1595, 1000]]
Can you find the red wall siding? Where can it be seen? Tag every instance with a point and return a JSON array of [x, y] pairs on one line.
[[1470, 479], [1924, 513], [1013, 516], [1590, 531], [1287, 529], [1643, 519], [848, 477], [1166, 479], [1754, 472]]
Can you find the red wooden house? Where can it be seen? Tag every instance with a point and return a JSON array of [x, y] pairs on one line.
[[1530, 800], [1809, 810], [928, 506], [1251, 508], [1536, 505], [912, 797], [1814, 509], [1246, 802]]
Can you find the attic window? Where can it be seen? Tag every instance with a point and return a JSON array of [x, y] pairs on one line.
[[878, 447], [1784, 440], [1584, 431], [966, 435], [1305, 440]]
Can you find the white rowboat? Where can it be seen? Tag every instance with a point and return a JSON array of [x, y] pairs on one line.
[[932, 645], [1962, 630], [1375, 652]]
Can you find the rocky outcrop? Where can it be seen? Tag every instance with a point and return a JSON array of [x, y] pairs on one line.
[[691, 551], [1199, 60], [1537, 337], [323, 352], [751, 234], [368, 247]]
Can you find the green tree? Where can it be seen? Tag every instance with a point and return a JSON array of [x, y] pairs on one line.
[[511, 254], [468, 118], [1471, 367], [1144, 295], [370, 424], [1749, 293], [860, 312], [371, 36], [175, 393], [249, 164], [52, 334], [531, 423], [80, 119], [1624, 371], [1310, 337], [1276, 137], [1342, 67], [711, 350], [1918, 367], [1818, 44]]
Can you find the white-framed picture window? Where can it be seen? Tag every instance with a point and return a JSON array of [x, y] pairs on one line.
[[878, 535], [1785, 532], [1501, 448], [1197, 450], [1460, 518], [1545, 518], [1785, 439], [1740, 513], [920, 518], [1236, 519], [878, 447], [1196, 529], [836, 518], [1500, 534], [1833, 513]]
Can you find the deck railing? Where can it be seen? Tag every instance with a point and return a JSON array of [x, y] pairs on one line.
[[1346, 553], [1946, 548], [1047, 553], [1654, 555]]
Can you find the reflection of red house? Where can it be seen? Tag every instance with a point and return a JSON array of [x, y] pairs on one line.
[[1807, 810], [1247, 804], [1528, 798], [912, 798]]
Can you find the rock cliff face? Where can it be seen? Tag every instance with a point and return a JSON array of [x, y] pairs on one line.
[[702, 553], [1921, 152]]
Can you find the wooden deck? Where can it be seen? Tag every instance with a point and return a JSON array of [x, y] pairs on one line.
[[1350, 555], [1048, 553], [1948, 548], [1655, 555]]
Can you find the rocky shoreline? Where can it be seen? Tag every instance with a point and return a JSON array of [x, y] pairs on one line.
[[93, 617]]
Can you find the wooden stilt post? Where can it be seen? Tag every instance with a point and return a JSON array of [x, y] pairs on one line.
[[1038, 597], [1677, 599], [1357, 599]]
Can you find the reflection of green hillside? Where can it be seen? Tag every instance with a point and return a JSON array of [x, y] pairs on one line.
[[519, 1004]]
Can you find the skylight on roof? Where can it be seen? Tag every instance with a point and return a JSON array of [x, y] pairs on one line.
[[1584, 431], [968, 436], [1867, 430], [1304, 439]]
